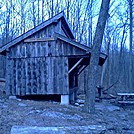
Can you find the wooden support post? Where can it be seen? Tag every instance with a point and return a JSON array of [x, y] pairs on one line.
[[75, 65], [39, 39]]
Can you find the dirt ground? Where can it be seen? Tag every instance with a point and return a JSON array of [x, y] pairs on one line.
[[24, 112]]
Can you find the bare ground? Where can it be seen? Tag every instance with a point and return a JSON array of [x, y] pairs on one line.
[[116, 119]]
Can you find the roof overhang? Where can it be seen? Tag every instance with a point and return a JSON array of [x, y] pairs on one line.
[[87, 49]]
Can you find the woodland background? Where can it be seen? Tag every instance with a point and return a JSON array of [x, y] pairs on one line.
[[18, 16]]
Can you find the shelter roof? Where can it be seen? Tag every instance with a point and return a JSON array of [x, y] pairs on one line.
[[36, 29]]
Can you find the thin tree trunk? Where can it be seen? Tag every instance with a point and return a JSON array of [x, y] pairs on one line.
[[89, 105], [106, 65], [90, 23], [130, 47], [38, 12], [33, 14], [42, 10], [52, 9]]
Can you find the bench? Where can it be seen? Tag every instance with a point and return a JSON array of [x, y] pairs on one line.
[[125, 98]]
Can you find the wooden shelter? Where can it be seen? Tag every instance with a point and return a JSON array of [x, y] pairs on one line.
[[46, 60]]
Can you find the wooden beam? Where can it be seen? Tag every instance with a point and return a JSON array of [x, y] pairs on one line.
[[72, 42], [75, 65], [82, 69], [39, 39]]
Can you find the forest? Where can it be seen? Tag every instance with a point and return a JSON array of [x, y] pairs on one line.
[[19, 16]]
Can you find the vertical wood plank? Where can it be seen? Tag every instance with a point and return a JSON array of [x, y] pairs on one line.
[[32, 50], [16, 77], [57, 48], [38, 75], [28, 49], [8, 74], [42, 76], [55, 76], [61, 63], [23, 72], [19, 77], [62, 49], [13, 77], [17, 51], [65, 49], [46, 74], [26, 74], [46, 48], [34, 76], [50, 75], [66, 87], [53, 48], [28, 77]]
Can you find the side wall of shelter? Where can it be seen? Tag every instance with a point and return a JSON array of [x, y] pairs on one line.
[[29, 76], [39, 67], [2, 66], [32, 69]]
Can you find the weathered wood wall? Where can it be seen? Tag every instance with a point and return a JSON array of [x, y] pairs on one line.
[[39, 67], [2, 66], [46, 75]]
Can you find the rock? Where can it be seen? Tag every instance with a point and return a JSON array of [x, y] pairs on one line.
[[1, 100], [22, 105], [19, 99], [113, 108], [37, 111], [95, 129], [80, 101], [81, 105], [12, 97], [82, 96], [99, 106], [3, 106], [130, 132], [76, 104], [123, 115]]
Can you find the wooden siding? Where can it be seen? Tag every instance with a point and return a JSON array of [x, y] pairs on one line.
[[44, 49], [39, 68], [55, 22], [2, 66], [29, 76], [35, 68]]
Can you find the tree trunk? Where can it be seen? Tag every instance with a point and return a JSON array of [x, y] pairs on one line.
[[89, 105], [42, 10], [130, 46]]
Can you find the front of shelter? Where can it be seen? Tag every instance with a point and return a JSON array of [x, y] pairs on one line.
[[46, 60]]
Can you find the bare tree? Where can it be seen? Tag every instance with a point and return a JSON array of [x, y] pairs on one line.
[[22, 12], [34, 13], [130, 45], [89, 105]]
